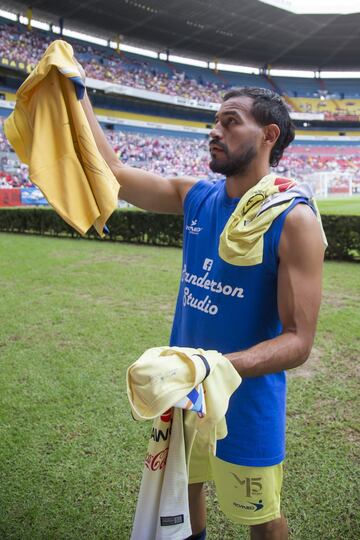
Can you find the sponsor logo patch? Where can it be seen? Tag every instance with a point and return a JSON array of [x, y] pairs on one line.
[[193, 228], [166, 521], [156, 462], [250, 506]]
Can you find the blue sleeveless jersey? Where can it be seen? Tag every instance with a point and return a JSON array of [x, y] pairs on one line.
[[230, 308]]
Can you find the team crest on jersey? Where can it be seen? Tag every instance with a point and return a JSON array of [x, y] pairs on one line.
[[258, 197]]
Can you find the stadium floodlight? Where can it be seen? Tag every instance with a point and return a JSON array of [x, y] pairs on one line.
[[187, 61], [234, 68], [340, 74], [134, 50], [8, 15], [320, 7], [34, 23], [41, 25], [84, 37], [292, 73]]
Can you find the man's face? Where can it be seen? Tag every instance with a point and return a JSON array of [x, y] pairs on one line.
[[235, 138]]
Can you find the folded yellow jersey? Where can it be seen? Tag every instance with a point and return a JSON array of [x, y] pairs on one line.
[[242, 240], [49, 132], [164, 375]]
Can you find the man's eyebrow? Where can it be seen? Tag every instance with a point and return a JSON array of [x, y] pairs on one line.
[[229, 112]]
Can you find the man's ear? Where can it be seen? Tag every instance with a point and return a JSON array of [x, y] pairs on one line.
[[271, 134]]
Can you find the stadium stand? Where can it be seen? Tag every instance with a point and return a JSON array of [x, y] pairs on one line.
[[174, 156], [331, 167], [23, 47]]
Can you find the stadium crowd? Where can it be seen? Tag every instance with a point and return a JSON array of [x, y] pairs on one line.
[[104, 64], [173, 156], [166, 155], [12, 173], [300, 162]]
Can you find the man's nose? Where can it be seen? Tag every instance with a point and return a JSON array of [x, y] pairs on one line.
[[215, 132]]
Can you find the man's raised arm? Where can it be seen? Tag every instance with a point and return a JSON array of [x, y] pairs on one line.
[[141, 188]]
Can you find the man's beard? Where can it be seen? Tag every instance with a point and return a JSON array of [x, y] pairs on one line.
[[233, 164]]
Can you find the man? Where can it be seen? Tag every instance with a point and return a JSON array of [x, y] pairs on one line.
[[262, 317]]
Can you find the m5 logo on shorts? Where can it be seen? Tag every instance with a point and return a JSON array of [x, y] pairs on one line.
[[251, 486]]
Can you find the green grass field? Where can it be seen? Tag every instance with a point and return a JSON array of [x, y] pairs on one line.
[[349, 206], [74, 315]]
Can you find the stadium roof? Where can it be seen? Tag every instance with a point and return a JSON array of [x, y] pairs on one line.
[[246, 32]]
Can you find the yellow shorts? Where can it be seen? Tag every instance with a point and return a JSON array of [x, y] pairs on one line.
[[247, 495]]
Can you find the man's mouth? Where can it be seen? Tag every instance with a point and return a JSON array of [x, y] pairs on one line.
[[215, 149], [216, 146]]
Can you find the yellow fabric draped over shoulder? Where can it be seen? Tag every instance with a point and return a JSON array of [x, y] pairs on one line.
[[242, 240], [49, 131]]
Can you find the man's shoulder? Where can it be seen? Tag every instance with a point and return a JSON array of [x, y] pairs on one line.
[[301, 233], [199, 188], [302, 215]]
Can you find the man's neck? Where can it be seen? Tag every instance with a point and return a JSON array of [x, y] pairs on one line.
[[237, 185]]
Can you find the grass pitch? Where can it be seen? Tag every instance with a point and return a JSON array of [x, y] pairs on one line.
[[349, 206], [74, 315]]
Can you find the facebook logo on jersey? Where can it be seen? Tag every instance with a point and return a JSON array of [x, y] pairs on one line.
[[208, 264]]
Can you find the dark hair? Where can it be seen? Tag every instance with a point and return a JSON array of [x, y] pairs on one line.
[[268, 108]]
